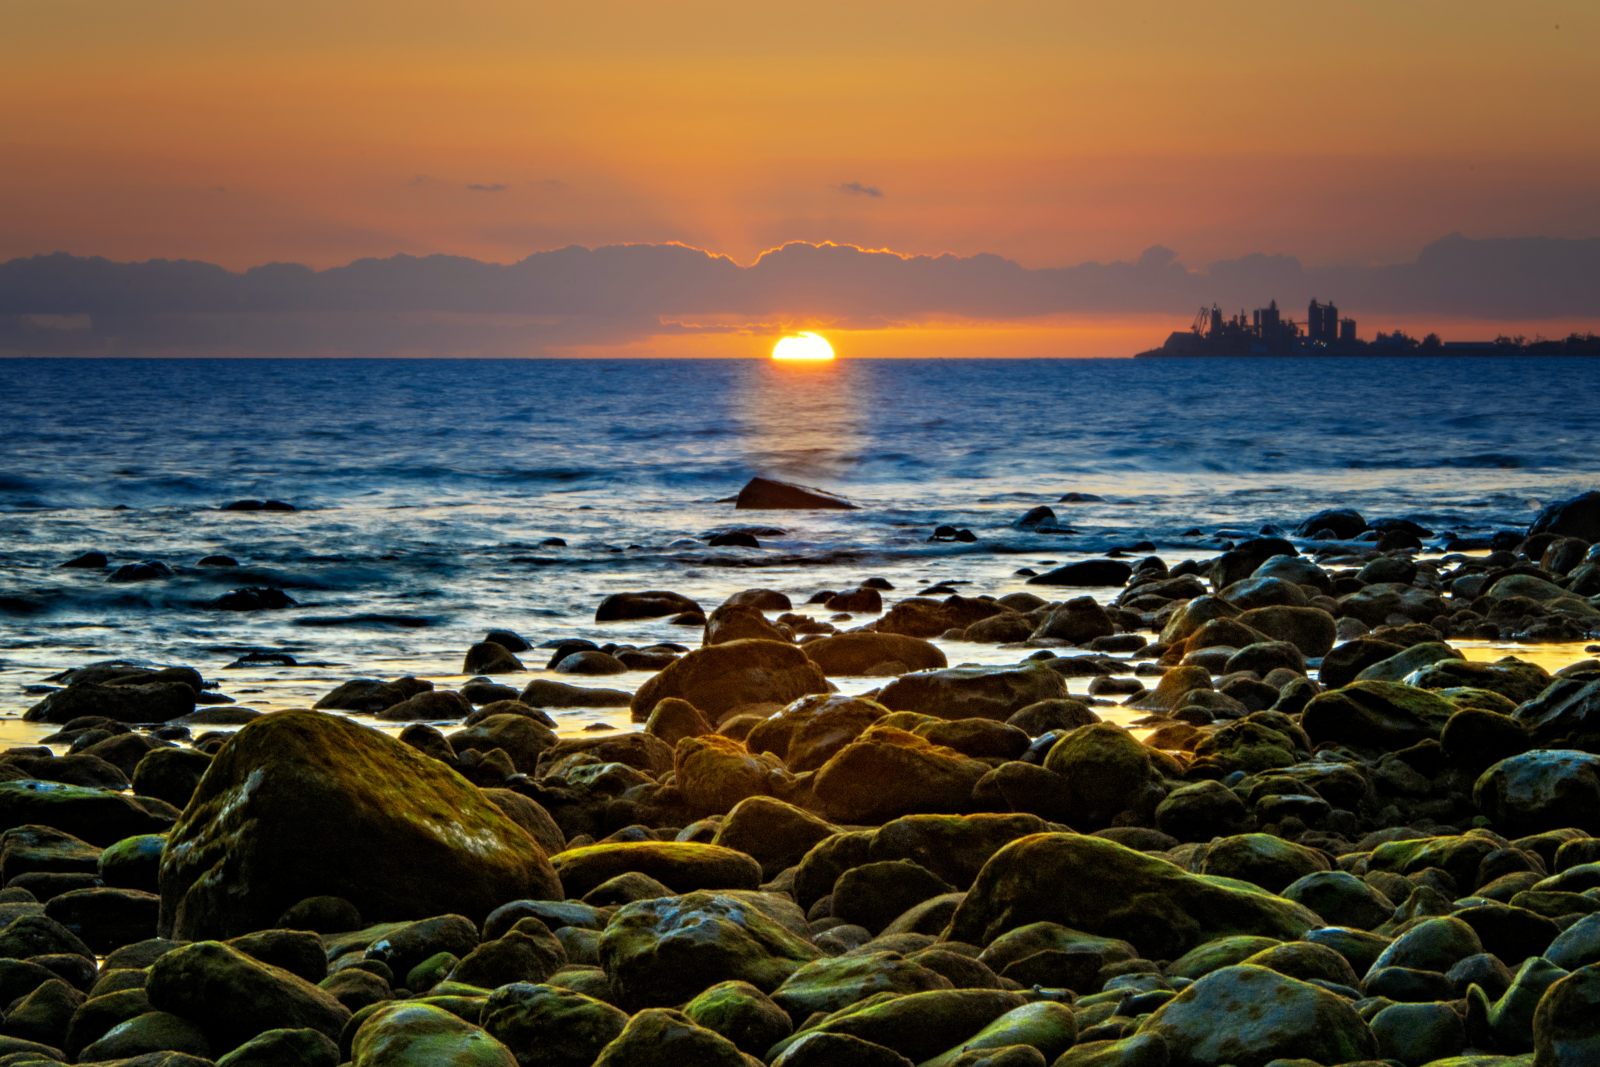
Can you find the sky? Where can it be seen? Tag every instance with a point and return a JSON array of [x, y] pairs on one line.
[[1047, 134]]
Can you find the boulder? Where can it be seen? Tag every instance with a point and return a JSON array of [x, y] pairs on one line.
[[771, 495], [741, 1013], [100, 817], [1566, 1027], [275, 1048], [886, 772], [973, 692], [720, 678], [1577, 516], [1087, 573], [547, 693], [234, 997], [774, 832], [916, 1025], [405, 1034], [1248, 1016], [654, 604], [1311, 630], [669, 949], [1385, 715], [1078, 621], [547, 1026], [1546, 789], [660, 1035], [925, 617], [739, 622], [1117, 892], [300, 804], [150, 702], [491, 657], [681, 865], [715, 772], [832, 983], [864, 651], [1104, 772]]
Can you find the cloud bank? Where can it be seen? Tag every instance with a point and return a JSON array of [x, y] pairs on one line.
[[452, 306]]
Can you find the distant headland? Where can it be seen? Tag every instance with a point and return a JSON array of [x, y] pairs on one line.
[[1267, 332]]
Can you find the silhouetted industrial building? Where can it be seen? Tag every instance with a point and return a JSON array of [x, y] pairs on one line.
[[1322, 323]]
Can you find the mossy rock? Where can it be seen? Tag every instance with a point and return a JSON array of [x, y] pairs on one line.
[[301, 804], [720, 678], [659, 1035], [1044, 1025], [833, 983], [684, 866], [1382, 715], [235, 997], [412, 1034], [919, 1026], [1117, 892], [741, 1013], [551, 1026], [275, 1048]]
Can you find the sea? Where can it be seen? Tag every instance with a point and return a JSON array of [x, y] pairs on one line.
[[437, 499]]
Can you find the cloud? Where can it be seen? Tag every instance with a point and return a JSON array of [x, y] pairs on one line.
[[487, 187], [858, 189], [452, 305]]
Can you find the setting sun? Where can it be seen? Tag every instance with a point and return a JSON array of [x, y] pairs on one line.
[[806, 346]]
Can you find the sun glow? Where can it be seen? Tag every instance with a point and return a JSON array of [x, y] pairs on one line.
[[804, 347]]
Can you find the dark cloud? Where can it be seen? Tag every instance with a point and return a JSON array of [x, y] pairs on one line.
[[451, 305], [858, 189], [488, 187]]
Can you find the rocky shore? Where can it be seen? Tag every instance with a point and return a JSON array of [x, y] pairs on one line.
[[1317, 833]]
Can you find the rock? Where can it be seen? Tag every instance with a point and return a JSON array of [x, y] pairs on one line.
[[660, 1035], [1248, 1016], [1078, 621], [822, 1049], [923, 617], [1341, 524], [1341, 898], [1086, 573], [1545, 789], [1105, 771], [674, 718], [1045, 1026], [1401, 665], [1385, 715], [150, 570], [664, 950], [422, 1035], [544, 693], [170, 774], [1120, 893], [549, 1026], [522, 738], [1311, 630], [436, 705], [151, 702], [862, 652], [276, 1048], [874, 894], [917, 1025], [714, 773], [856, 602], [887, 772], [371, 695], [301, 804], [1566, 1027], [1566, 714], [773, 832], [737, 622], [91, 560], [1262, 859], [1577, 516], [681, 865], [234, 997], [152, 1032], [99, 817], [654, 604], [106, 918], [741, 1013], [721, 678], [973, 692], [1377, 605], [807, 733], [769, 494], [491, 657], [529, 952], [1201, 810], [832, 983]]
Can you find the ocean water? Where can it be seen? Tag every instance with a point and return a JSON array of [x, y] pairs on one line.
[[426, 490]]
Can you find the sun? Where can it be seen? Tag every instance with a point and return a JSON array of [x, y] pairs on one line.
[[803, 347]]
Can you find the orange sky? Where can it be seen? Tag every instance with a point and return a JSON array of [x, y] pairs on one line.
[[1049, 132]]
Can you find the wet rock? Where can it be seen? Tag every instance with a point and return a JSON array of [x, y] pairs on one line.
[[1044, 1029], [87, 561], [151, 702], [170, 774], [422, 1035], [1577, 516], [301, 804], [737, 622], [1262, 859], [1105, 772], [1337, 524], [106, 918], [1311, 630], [663, 950], [921, 616], [917, 1025], [865, 652], [874, 894], [1341, 898], [491, 657], [807, 733], [522, 738], [654, 604], [770, 494], [1248, 1016], [1542, 790], [674, 718], [150, 570], [973, 692], [1200, 811], [435, 705], [275, 1048], [152, 1032], [856, 602], [774, 832], [371, 694], [741, 1013], [546, 1026], [1384, 715], [681, 865], [823, 1049], [1566, 1027], [714, 773], [98, 816], [833, 983], [233, 997], [887, 772], [720, 678], [1078, 621], [1086, 574], [253, 598], [1565, 714], [544, 693], [1155, 905], [529, 952]]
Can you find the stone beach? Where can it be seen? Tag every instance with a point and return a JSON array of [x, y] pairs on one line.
[[1252, 808]]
